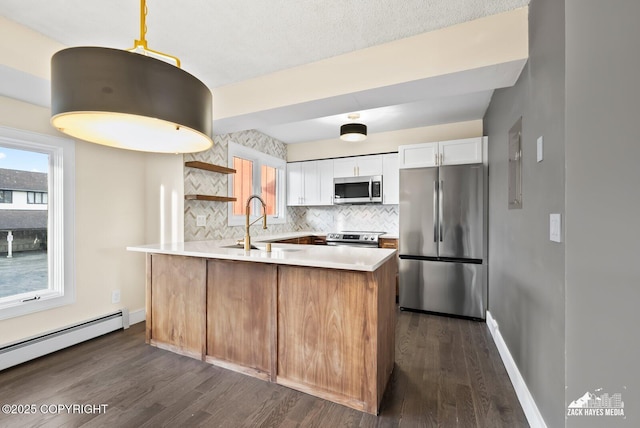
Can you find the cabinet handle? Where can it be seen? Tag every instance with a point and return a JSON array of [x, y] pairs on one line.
[[441, 158], [435, 159]]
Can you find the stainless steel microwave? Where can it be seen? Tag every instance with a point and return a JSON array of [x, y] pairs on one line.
[[357, 190]]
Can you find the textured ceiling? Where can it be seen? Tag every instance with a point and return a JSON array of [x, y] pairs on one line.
[[226, 41]]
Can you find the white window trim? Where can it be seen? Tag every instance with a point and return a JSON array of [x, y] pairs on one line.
[[61, 225], [259, 159]]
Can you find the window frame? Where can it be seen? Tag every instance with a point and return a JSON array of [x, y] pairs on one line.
[[4, 193], [60, 226], [35, 199], [259, 159]]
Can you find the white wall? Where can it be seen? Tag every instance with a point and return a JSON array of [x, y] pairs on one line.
[[113, 210], [164, 198]]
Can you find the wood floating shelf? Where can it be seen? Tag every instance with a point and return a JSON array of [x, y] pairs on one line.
[[209, 198], [210, 167], [214, 168]]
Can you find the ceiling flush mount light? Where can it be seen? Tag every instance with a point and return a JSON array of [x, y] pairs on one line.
[[353, 131], [138, 99]]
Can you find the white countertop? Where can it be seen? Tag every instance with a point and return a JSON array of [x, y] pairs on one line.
[[322, 256]]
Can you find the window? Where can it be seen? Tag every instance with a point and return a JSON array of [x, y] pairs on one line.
[[256, 174], [36, 230], [6, 196], [36, 198]]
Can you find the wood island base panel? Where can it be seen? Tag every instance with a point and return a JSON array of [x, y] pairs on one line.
[[326, 332]]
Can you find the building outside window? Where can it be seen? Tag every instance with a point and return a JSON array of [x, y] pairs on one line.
[[36, 222], [23, 229]]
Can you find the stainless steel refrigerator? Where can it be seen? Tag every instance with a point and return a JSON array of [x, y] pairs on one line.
[[442, 240]]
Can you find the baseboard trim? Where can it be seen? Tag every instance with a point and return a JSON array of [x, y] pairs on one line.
[[37, 346], [137, 316], [531, 411]]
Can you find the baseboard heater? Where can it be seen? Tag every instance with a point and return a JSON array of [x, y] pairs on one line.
[[37, 346]]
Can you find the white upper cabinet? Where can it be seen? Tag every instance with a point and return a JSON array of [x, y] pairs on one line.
[[295, 183], [310, 183], [418, 155], [325, 174], [457, 152], [357, 166], [454, 152], [390, 179]]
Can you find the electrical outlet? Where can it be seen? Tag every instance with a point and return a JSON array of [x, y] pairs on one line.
[[201, 220], [115, 296]]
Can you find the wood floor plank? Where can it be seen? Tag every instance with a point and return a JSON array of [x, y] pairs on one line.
[[447, 373]]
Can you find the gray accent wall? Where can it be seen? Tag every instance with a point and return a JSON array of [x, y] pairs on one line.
[[603, 205], [526, 269], [569, 311]]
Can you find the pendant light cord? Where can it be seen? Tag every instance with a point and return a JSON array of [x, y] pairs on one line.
[[141, 44]]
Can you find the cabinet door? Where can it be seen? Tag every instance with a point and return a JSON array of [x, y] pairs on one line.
[[295, 183], [458, 152], [344, 167], [418, 155], [241, 316], [391, 243], [176, 296], [311, 185], [325, 177], [369, 165], [390, 179]]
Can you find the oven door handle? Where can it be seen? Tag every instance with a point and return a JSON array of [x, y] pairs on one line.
[[352, 244]]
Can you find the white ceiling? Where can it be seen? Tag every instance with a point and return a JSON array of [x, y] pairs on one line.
[[227, 41]]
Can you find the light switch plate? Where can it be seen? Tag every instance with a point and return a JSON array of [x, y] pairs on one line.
[[201, 220], [539, 150], [555, 227]]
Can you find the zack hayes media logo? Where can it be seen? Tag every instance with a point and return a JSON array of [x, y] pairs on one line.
[[591, 404]]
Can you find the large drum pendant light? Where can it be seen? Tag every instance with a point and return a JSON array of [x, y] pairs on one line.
[[130, 100]]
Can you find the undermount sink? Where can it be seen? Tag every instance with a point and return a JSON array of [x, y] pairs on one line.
[[263, 247]]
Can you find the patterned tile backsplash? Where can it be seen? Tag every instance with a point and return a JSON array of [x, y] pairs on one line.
[[321, 219], [382, 218]]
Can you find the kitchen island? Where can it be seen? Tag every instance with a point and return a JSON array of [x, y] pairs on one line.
[[316, 319]]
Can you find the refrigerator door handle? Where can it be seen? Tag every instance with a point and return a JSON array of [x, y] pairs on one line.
[[435, 211], [440, 209]]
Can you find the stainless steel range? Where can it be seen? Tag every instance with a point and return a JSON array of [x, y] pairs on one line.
[[354, 239]]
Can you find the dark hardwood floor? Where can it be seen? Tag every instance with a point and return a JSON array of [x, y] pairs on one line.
[[448, 373]]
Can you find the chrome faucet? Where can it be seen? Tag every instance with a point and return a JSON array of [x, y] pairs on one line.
[[247, 237]]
